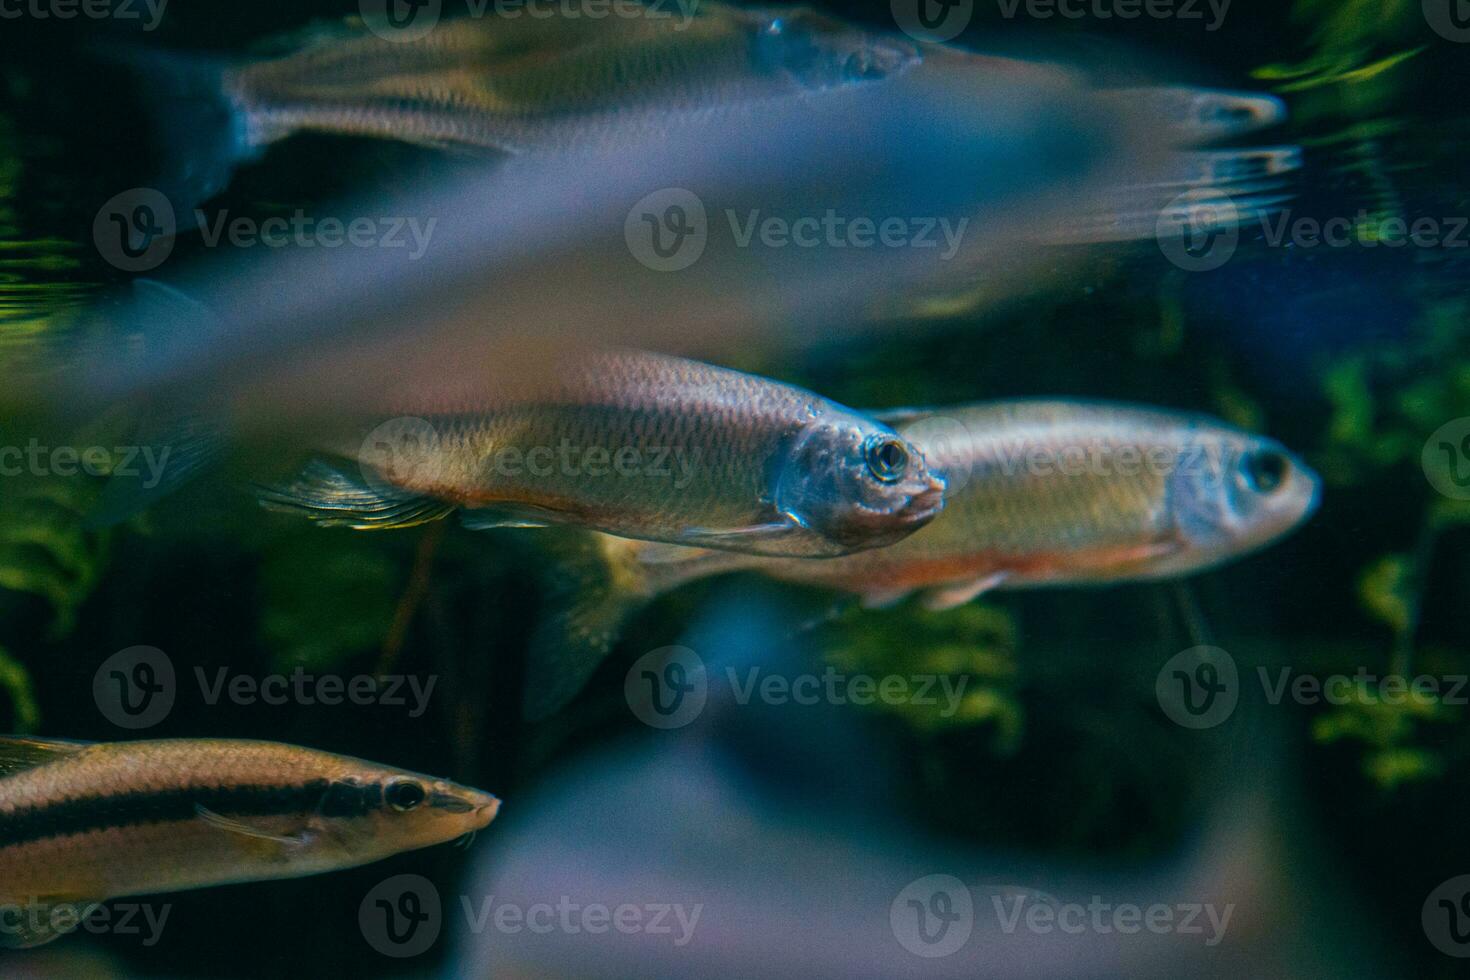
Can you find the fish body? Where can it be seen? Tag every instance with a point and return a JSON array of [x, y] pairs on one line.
[[81, 823], [508, 81], [1041, 493], [1065, 493], [641, 445], [537, 82]]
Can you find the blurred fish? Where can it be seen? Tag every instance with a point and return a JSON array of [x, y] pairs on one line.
[[84, 822], [641, 445], [637, 242], [1041, 493], [512, 81]]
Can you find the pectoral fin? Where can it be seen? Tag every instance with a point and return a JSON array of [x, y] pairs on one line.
[[334, 497], [950, 596], [758, 539], [35, 922], [232, 826]]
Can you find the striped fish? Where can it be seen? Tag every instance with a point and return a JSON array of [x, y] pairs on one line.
[[81, 823]]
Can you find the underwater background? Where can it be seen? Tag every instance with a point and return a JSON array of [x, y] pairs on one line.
[[1061, 752]]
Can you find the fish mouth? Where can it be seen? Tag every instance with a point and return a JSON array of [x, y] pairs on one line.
[[926, 504], [486, 811], [482, 807]]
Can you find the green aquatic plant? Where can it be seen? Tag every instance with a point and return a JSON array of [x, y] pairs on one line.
[[974, 646], [15, 680], [1386, 400], [1344, 36], [326, 597], [44, 549]]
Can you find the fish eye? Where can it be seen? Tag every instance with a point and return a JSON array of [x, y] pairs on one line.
[[887, 458], [775, 26], [404, 795], [1265, 470]]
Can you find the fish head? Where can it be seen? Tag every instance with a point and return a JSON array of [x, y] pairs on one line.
[[1232, 493], [857, 484], [821, 52], [396, 811]]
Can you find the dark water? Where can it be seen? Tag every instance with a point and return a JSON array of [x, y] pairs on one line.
[[1350, 355]]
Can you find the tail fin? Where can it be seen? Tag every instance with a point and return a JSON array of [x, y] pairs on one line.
[[201, 133]]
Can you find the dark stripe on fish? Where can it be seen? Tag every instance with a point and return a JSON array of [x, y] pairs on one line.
[[88, 814]]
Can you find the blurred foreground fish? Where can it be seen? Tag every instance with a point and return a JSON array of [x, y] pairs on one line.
[[641, 445], [81, 822], [511, 81], [673, 241], [1041, 494]]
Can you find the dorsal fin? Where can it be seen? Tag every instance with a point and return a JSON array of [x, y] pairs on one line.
[[20, 752]]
